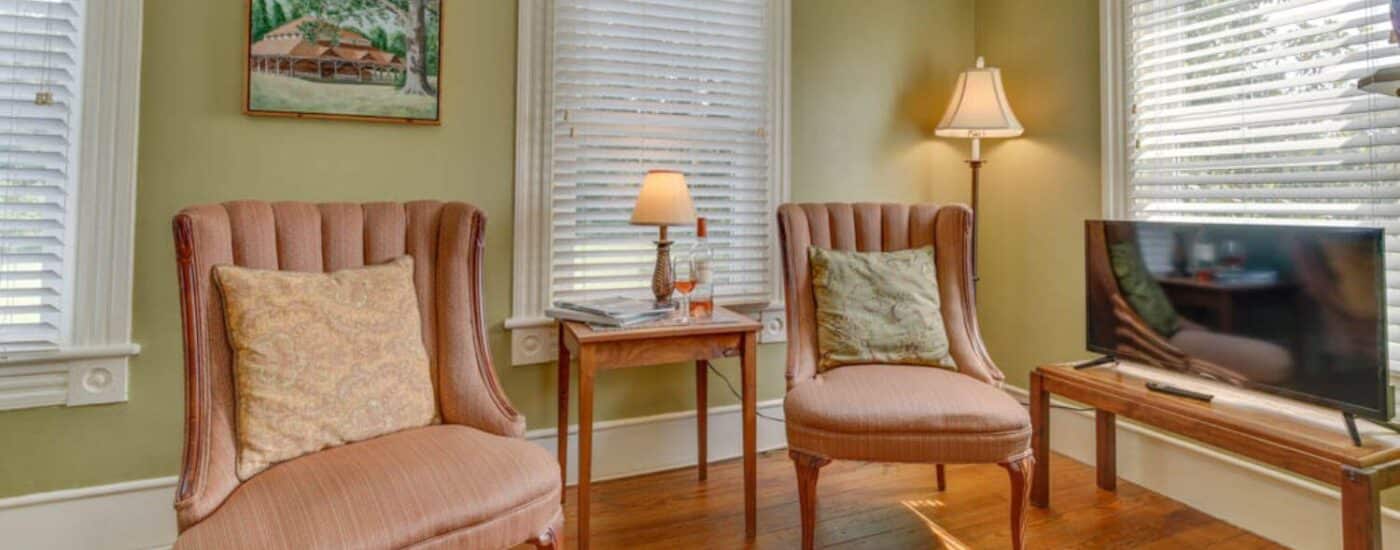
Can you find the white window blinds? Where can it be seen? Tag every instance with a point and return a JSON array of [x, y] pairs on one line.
[[1249, 111], [659, 84], [40, 52]]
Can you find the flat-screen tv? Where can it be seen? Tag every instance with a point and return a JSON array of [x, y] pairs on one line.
[[1292, 310]]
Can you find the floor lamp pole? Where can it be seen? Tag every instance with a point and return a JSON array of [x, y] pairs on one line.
[[976, 164]]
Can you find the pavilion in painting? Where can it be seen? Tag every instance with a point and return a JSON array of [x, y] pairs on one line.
[[286, 51]]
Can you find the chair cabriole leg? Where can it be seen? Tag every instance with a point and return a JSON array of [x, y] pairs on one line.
[[551, 539], [1021, 471], [807, 467]]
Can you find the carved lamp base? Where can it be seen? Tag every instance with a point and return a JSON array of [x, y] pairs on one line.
[[663, 283]]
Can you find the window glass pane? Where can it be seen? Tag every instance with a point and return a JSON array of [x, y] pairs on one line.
[[658, 84], [40, 50]]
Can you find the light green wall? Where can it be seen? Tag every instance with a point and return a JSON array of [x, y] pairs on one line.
[[870, 80], [197, 147], [1038, 189]]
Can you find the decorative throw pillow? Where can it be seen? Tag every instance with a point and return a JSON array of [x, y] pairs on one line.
[[323, 359], [1141, 290], [878, 307]]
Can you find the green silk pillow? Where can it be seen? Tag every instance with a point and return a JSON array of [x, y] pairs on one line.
[[878, 308], [1141, 289]]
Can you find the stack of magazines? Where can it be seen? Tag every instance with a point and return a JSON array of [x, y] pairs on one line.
[[618, 311]]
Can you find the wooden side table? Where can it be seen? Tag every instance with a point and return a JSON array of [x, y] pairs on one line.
[[1272, 437], [728, 334]]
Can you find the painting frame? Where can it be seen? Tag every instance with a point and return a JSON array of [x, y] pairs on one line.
[[247, 85]]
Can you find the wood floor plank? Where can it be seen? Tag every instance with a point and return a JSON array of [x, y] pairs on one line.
[[882, 506]]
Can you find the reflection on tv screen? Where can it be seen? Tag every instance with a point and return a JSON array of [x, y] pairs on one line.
[[1294, 310]]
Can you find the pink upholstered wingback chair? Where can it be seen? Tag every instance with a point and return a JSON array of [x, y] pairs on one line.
[[470, 482], [895, 413]]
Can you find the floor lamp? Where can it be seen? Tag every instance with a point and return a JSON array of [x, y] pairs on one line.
[[978, 110]]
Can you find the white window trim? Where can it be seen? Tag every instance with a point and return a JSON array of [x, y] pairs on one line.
[[1113, 99], [533, 337], [91, 366]]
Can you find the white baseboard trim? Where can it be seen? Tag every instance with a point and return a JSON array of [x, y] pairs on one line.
[[1293, 511], [138, 514], [126, 515], [636, 446]]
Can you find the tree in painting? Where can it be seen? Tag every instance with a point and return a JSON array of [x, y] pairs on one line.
[[261, 23]]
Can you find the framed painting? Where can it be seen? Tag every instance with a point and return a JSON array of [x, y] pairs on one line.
[[374, 60]]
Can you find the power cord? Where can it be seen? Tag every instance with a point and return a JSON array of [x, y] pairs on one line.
[[730, 385]]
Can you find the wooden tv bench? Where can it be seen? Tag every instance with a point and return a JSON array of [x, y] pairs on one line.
[[1280, 439]]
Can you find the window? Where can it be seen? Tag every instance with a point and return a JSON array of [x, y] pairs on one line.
[[41, 43], [611, 89], [1250, 111], [68, 102]]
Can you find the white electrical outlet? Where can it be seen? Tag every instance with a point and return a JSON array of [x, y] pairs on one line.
[[774, 326]]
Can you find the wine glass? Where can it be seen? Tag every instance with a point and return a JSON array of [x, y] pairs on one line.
[[684, 279], [1232, 255]]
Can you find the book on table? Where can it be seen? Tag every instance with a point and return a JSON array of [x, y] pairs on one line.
[[609, 312], [619, 307], [599, 320]]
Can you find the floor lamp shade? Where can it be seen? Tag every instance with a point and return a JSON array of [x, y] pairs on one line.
[[979, 108]]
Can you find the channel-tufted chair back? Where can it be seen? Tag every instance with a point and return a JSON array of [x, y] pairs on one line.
[[445, 241], [881, 227]]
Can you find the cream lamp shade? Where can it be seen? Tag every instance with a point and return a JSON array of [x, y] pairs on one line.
[[664, 200], [979, 108]]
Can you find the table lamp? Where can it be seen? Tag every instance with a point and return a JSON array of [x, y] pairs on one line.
[[978, 110], [664, 201]]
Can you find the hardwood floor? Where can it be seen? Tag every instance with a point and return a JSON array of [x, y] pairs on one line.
[[884, 506]]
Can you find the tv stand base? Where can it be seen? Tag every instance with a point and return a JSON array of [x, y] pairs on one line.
[[1360, 468], [1356, 434], [1351, 428]]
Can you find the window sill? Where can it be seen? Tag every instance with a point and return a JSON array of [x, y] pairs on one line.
[[70, 377], [533, 339]]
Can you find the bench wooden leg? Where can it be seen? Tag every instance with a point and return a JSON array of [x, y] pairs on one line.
[[1040, 440], [942, 481], [1361, 510], [1106, 462]]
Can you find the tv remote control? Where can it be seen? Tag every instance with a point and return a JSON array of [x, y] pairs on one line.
[[1181, 392]]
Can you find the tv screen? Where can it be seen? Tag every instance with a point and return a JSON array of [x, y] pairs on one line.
[[1296, 311]]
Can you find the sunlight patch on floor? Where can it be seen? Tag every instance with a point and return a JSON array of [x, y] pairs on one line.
[[924, 509]]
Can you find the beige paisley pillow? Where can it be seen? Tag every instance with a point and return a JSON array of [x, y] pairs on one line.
[[323, 359], [878, 308]]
